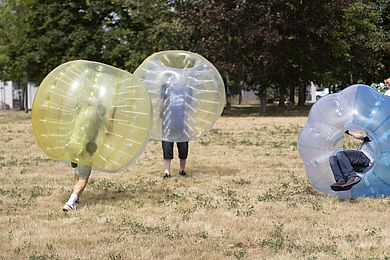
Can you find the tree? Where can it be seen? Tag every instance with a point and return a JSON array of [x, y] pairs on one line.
[[274, 45], [13, 44], [265, 43], [361, 43], [38, 36], [120, 33]]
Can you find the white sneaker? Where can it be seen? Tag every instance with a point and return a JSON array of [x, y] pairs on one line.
[[68, 207]]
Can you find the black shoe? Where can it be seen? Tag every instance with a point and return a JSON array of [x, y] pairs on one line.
[[167, 175], [337, 186], [351, 182], [182, 173]]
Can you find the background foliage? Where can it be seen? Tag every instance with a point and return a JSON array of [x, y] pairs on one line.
[[269, 46]]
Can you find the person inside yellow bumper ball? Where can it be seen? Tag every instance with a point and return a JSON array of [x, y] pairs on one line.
[[91, 115], [82, 144]]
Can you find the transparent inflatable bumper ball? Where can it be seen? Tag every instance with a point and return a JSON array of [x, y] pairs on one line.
[[357, 107], [187, 94], [92, 114]]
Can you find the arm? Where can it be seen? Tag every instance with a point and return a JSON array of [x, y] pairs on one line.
[[357, 135], [110, 122]]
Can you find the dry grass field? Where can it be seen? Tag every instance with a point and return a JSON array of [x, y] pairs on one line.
[[246, 197]]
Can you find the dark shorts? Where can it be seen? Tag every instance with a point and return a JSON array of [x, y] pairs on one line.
[[182, 148]]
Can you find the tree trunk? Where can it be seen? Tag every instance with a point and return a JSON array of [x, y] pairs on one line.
[[282, 87], [292, 94], [282, 97], [20, 86], [227, 91], [25, 97], [263, 100], [302, 93], [240, 89]]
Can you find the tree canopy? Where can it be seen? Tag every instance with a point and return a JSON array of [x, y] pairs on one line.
[[274, 45]]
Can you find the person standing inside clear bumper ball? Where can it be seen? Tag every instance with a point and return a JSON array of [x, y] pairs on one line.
[[174, 98]]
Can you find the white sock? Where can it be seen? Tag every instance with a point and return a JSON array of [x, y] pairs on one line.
[[167, 172], [72, 199]]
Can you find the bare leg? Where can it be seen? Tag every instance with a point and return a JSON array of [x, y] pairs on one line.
[[167, 166], [76, 179], [80, 186]]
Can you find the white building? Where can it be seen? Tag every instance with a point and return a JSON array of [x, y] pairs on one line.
[[6, 95], [11, 95]]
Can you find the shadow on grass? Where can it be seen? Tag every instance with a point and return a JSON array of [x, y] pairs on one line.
[[273, 110], [104, 191]]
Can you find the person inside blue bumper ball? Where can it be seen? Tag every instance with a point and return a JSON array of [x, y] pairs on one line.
[[347, 163]]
